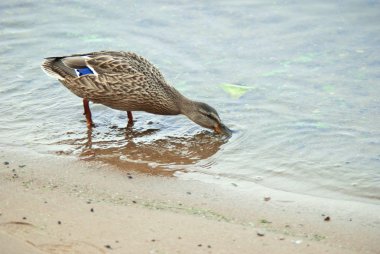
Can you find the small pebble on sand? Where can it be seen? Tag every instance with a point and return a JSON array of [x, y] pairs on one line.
[[259, 233]]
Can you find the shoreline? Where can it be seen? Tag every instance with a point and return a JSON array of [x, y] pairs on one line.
[[165, 214]]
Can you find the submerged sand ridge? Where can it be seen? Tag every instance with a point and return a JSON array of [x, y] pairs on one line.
[[52, 204]]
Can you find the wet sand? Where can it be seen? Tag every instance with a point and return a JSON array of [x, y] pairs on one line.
[[57, 204]]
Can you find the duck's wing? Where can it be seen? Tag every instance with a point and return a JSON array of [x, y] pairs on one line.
[[102, 63], [98, 77], [100, 88], [124, 62]]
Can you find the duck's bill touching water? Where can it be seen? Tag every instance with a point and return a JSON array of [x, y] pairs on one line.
[[222, 129], [128, 82]]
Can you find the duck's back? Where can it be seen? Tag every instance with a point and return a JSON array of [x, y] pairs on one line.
[[120, 80]]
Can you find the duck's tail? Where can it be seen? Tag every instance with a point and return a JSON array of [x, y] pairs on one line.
[[54, 67]]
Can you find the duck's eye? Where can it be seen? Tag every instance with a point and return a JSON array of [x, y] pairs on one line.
[[213, 117], [204, 112]]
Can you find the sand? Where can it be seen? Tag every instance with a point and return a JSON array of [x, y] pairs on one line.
[[59, 204]]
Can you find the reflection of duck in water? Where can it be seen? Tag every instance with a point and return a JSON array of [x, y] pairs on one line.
[[128, 82], [141, 151]]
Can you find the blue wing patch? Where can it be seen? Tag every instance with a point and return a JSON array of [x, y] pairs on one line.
[[84, 71]]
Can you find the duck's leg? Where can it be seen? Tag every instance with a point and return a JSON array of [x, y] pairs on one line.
[[130, 118], [87, 112]]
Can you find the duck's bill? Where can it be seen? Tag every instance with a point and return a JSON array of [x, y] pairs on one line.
[[222, 129]]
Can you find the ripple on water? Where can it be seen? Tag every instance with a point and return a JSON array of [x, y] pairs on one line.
[[145, 148]]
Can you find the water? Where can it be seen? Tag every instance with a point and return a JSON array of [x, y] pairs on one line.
[[307, 119]]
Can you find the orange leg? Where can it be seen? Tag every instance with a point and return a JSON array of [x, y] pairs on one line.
[[130, 118], [87, 112]]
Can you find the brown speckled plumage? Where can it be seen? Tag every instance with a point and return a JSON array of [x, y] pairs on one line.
[[128, 82]]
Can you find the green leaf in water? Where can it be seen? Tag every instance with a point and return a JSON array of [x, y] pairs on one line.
[[273, 73], [90, 37], [93, 38], [303, 59], [235, 91], [329, 89], [321, 125], [360, 76], [306, 58]]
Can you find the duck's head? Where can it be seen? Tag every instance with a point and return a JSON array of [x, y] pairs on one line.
[[206, 116]]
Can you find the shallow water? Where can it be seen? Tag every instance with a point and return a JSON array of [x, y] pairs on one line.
[[306, 111]]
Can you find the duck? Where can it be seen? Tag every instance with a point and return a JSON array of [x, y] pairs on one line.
[[128, 82]]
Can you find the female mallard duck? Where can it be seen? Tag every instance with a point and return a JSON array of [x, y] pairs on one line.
[[128, 82]]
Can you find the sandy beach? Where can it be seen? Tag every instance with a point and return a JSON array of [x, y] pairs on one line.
[[57, 204]]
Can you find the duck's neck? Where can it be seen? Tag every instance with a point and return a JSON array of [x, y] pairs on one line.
[[184, 105], [188, 107]]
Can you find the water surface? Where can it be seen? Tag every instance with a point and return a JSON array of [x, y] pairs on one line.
[[305, 108]]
